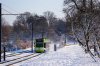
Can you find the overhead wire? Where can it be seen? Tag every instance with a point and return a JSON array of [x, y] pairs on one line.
[[6, 10], [10, 8], [10, 13]]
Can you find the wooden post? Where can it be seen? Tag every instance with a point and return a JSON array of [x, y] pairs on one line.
[[55, 48], [4, 53]]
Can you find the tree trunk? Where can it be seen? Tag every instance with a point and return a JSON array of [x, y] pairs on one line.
[[87, 46]]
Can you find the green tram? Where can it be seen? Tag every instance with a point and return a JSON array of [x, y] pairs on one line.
[[40, 45]]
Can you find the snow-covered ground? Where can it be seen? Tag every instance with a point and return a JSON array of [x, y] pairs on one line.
[[72, 55]]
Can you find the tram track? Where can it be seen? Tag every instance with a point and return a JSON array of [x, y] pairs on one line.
[[14, 54], [10, 55], [20, 59], [23, 60]]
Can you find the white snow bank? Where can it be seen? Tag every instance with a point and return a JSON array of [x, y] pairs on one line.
[[72, 55]]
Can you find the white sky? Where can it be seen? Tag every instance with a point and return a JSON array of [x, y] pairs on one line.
[[33, 6]]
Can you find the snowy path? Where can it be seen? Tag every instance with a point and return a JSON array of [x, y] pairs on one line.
[[68, 56]]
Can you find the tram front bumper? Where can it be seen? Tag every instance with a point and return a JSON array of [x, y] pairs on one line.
[[39, 50]]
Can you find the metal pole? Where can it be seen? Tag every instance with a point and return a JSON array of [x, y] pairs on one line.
[[65, 33], [0, 32], [13, 14], [32, 37], [42, 35], [65, 38]]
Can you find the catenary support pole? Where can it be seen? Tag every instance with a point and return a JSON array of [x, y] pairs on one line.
[[32, 37], [0, 32]]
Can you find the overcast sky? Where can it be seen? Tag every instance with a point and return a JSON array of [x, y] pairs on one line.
[[33, 6]]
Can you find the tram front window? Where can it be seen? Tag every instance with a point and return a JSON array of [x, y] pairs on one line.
[[39, 44]]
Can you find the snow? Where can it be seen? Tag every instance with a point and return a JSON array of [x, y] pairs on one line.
[[72, 55], [18, 60], [17, 54]]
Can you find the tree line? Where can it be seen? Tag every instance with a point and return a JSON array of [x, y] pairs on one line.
[[46, 25]]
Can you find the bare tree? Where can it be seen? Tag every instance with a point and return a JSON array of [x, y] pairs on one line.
[[6, 29], [84, 18], [51, 19]]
